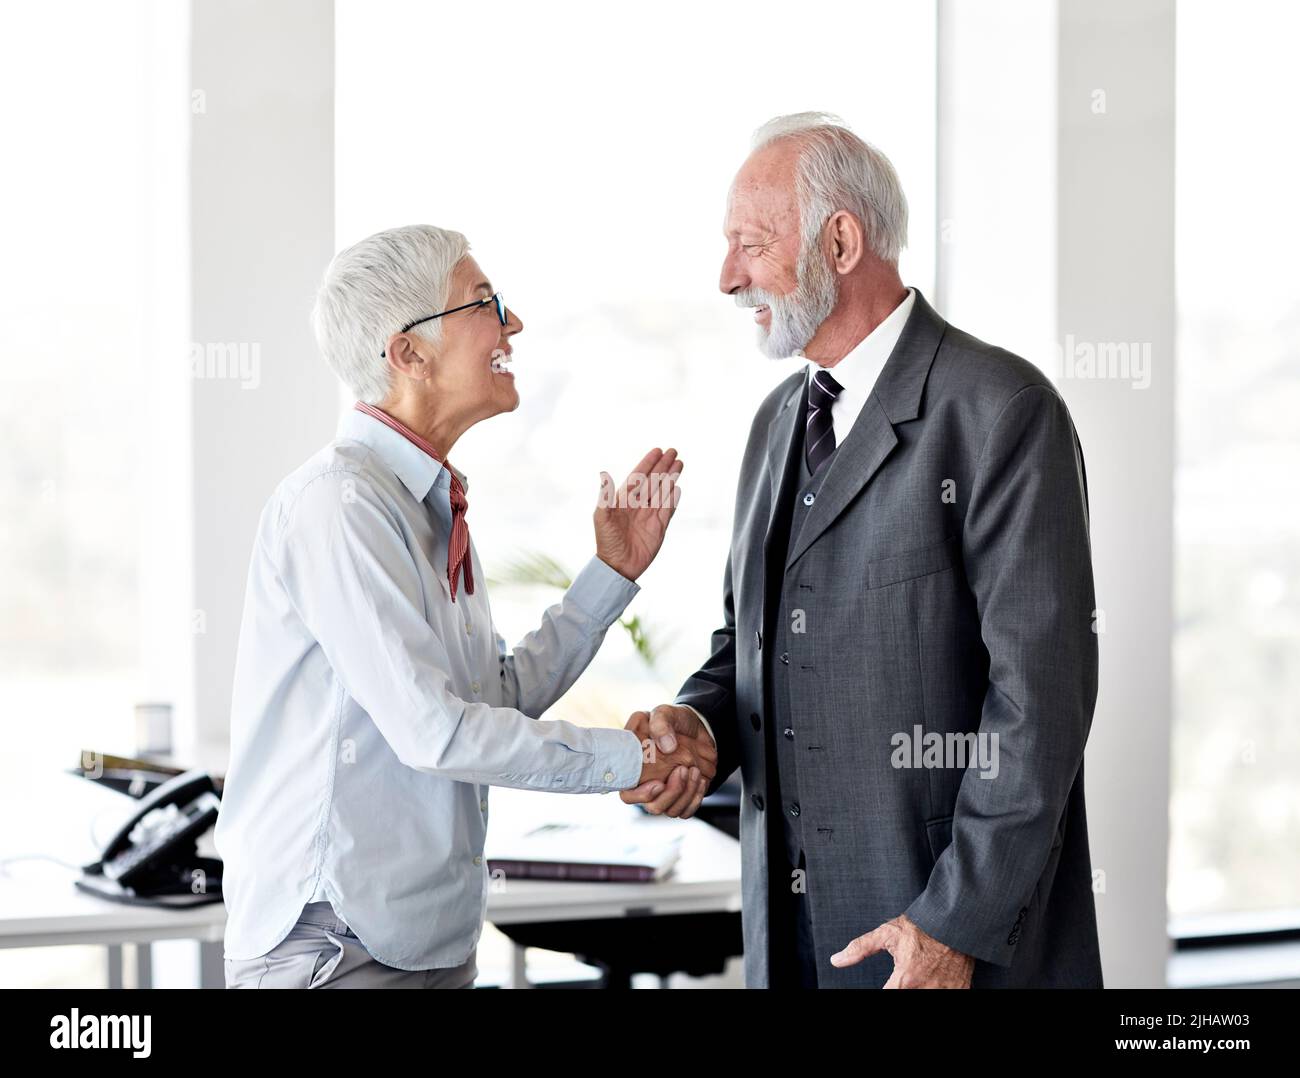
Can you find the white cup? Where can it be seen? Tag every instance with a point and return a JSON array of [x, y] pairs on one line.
[[153, 729]]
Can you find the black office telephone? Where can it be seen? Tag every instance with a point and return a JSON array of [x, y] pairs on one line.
[[153, 859]]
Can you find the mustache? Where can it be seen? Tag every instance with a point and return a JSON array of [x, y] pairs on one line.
[[753, 297]]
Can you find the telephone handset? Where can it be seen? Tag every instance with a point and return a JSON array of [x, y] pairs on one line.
[[153, 859]]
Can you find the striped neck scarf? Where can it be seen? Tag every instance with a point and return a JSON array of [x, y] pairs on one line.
[[458, 558]]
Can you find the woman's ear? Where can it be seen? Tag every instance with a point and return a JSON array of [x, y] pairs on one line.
[[408, 359]]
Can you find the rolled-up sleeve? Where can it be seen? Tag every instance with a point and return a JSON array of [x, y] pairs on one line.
[[354, 583]]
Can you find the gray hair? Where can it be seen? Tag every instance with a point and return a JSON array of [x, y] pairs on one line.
[[838, 171], [372, 289]]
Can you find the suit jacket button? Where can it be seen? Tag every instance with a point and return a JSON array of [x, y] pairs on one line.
[[755, 721], [794, 808], [789, 734], [758, 801]]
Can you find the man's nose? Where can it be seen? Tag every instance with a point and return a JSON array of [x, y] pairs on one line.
[[514, 324], [732, 279]]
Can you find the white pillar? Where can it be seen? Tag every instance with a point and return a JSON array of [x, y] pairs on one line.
[[262, 227], [1115, 273]]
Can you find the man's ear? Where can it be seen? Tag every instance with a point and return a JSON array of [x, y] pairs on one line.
[[406, 359], [848, 241]]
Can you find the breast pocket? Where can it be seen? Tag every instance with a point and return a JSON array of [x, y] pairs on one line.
[[911, 564]]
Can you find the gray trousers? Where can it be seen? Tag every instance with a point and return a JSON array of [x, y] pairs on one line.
[[320, 951]]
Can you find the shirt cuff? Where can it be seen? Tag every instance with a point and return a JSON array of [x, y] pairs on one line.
[[703, 722], [618, 758], [602, 592]]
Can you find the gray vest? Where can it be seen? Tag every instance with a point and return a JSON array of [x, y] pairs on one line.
[[782, 731]]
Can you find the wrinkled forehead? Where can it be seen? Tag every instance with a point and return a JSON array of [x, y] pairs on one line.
[[763, 193]]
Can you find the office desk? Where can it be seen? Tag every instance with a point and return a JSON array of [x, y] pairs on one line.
[[61, 816], [66, 817]]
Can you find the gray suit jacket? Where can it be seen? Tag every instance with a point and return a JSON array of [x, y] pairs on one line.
[[945, 580]]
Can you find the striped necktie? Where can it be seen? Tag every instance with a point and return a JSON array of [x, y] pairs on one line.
[[819, 436], [458, 545]]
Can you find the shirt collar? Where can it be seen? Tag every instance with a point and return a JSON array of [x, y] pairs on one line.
[[857, 372], [417, 470]]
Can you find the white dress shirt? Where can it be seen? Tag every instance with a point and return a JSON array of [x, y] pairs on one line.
[[370, 714], [856, 373]]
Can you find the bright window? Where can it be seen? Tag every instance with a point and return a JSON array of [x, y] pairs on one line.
[[1236, 804]]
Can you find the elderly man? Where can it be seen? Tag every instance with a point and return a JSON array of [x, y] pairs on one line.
[[907, 668], [374, 701]]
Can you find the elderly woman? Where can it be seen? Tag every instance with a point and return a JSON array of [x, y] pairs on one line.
[[374, 701]]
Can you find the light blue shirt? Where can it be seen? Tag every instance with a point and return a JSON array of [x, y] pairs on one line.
[[370, 714]]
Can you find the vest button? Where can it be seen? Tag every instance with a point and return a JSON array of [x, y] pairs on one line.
[[809, 498]]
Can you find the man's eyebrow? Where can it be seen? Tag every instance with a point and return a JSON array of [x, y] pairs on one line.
[[483, 286], [753, 231]]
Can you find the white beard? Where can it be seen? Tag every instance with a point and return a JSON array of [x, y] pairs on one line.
[[797, 316]]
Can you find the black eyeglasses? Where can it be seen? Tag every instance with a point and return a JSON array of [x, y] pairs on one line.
[[496, 298]]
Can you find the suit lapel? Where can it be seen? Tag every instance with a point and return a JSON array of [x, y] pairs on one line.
[[759, 538], [895, 399], [782, 462], [851, 468]]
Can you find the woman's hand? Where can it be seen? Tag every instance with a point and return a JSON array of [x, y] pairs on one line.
[[631, 520]]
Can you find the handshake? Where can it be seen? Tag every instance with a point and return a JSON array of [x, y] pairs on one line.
[[678, 761]]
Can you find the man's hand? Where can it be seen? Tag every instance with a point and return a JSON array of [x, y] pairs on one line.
[[667, 731], [920, 961], [631, 520]]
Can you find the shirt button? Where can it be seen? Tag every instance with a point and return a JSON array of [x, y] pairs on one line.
[[483, 804], [609, 776], [758, 801], [809, 498], [469, 628], [478, 860], [758, 639], [476, 686]]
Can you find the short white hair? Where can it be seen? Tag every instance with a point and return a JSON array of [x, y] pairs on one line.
[[839, 171], [375, 287]]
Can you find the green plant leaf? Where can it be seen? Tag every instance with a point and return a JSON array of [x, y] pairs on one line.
[[533, 568]]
